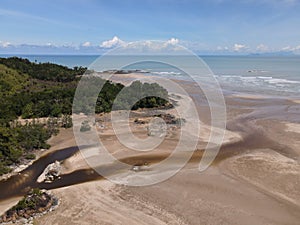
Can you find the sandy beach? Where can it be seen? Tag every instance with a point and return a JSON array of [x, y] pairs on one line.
[[254, 179]]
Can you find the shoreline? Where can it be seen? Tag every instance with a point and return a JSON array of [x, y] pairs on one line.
[[17, 169], [197, 196]]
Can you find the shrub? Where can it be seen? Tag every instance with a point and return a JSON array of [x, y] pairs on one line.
[[30, 156], [85, 126]]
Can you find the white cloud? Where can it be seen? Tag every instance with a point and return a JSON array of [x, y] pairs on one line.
[[166, 46], [239, 47], [220, 48], [262, 48], [171, 44], [172, 41], [114, 42], [145, 45], [5, 44], [86, 44], [287, 49], [291, 49], [150, 46]]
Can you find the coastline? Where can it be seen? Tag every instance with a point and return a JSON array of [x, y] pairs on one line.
[[221, 194]]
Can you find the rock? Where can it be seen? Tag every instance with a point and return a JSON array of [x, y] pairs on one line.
[[3, 219], [23, 221], [136, 168], [51, 173], [20, 168], [21, 212], [14, 218], [138, 121], [157, 128], [43, 203]]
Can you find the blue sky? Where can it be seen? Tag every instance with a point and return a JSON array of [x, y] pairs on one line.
[[204, 26]]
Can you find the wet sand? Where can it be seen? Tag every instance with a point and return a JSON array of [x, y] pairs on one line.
[[254, 179]]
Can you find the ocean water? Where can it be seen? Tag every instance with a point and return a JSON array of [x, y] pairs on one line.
[[279, 76], [264, 75]]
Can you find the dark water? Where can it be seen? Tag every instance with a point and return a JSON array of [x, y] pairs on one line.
[[21, 183]]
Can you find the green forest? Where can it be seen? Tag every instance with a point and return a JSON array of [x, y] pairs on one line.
[[34, 90]]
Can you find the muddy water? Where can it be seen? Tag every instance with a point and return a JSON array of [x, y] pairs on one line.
[[19, 184]]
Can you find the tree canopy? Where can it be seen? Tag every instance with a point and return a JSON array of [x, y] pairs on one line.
[[33, 90]]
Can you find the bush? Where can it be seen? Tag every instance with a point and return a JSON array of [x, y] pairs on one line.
[[85, 126], [18, 140], [4, 169], [30, 156], [36, 191], [66, 121]]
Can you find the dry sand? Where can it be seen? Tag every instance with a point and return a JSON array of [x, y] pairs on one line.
[[296, 101], [102, 203], [270, 171], [187, 198]]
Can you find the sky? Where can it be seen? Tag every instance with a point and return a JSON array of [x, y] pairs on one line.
[[203, 26]]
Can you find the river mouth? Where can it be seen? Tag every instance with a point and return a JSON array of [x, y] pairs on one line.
[[253, 137], [18, 185]]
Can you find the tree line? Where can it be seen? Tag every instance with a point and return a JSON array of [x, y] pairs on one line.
[[33, 90]]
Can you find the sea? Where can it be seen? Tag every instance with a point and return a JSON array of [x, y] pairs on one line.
[[252, 74]]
